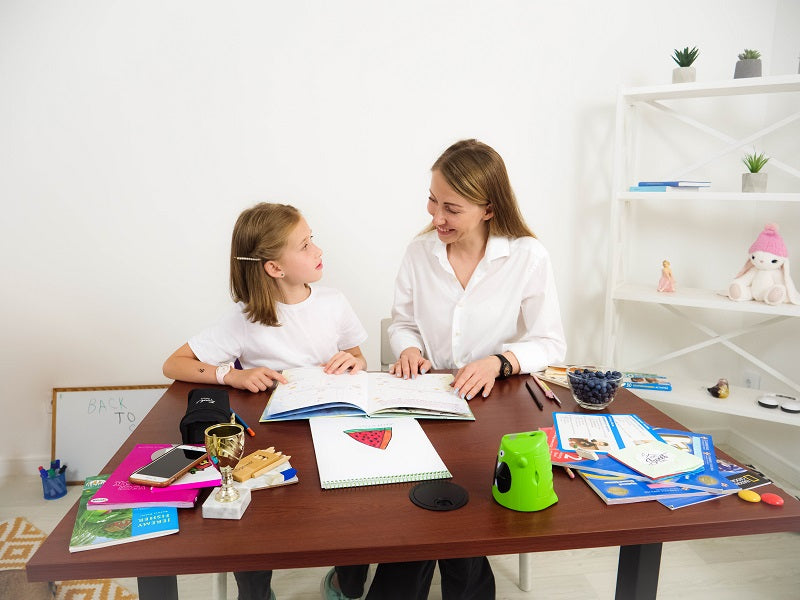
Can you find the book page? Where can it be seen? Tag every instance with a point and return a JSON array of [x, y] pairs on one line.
[[311, 386], [430, 392]]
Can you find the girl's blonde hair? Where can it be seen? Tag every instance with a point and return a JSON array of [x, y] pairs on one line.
[[477, 172], [260, 235]]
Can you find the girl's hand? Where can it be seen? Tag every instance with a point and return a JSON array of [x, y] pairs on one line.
[[410, 363], [259, 379], [343, 361], [476, 375]]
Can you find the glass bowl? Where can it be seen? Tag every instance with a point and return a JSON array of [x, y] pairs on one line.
[[592, 387]]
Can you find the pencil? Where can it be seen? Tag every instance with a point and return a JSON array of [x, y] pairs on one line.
[[569, 472], [535, 399], [546, 389], [243, 424]]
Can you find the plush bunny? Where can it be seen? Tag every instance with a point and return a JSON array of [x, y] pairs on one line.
[[765, 276]]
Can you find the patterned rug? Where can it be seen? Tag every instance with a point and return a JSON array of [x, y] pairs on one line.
[[19, 539]]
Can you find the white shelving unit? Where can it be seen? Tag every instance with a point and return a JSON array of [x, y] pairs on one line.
[[623, 287]]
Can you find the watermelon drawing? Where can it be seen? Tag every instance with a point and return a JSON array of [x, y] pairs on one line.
[[376, 438]]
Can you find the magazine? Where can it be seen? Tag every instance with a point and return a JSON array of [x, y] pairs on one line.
[[700, 444], [645, 381], [624, 490], [102, 528], [744, 478]]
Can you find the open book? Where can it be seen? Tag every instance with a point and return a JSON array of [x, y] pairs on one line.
[[310, 392]]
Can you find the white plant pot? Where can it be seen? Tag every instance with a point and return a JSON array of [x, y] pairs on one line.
[[684, 75], [749, 67], [754, 182]]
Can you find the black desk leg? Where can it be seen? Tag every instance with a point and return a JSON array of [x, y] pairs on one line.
[[158, 588], [637, 573]]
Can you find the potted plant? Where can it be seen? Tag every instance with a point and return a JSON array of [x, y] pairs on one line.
[[684, 72], [748, 65], [754, 180]]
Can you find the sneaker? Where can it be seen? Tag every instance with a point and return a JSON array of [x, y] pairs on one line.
[[328, 591]]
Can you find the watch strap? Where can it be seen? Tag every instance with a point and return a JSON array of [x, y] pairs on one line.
[[223, 370], [506, 370]]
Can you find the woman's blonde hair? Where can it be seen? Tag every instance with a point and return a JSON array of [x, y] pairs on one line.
[[260, 235], [477, 172]]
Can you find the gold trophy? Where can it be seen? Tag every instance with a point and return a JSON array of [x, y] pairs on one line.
[[225, 446]]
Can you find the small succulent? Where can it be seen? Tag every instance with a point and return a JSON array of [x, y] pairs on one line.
[[755, 162], [685, 57], [750, 54]]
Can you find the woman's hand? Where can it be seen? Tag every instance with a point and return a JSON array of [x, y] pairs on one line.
[[476, 375], [343, 361], [410, 363], [259, 379]]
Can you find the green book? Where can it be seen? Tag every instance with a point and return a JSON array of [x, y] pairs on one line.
[[103, 528]]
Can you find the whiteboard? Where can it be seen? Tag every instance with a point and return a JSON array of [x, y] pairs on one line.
[[90, 424]]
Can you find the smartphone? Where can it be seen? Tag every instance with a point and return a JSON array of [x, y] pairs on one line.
[[169, 466]]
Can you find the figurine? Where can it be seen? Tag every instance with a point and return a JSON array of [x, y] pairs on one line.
[[667, 281], [721, 390], [765, 276]]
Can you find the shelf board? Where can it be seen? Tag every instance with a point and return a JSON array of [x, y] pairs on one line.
[[704, 196], [699, 298], [705, 89], [742, 402]]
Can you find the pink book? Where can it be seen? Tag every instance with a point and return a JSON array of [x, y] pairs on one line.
[[118, 492]]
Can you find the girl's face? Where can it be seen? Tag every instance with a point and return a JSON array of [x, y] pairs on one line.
[[455, 218], [301, 259]]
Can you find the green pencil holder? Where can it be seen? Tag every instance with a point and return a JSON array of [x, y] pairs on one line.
[[54, 487]]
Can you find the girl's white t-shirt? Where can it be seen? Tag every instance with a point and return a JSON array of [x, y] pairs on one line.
[[310, 333]]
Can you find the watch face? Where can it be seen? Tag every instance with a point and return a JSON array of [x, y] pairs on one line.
[[506, 370]]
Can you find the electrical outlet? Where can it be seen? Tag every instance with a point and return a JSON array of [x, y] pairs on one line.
[[751, 379]]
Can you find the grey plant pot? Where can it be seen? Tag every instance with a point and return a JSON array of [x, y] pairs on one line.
[[683, 74], [754, 182], [750, 67]]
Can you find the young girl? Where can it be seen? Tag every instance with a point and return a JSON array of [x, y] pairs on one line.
[[279, 321]]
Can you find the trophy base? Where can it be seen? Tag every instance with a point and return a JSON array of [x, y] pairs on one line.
[[213, 509]]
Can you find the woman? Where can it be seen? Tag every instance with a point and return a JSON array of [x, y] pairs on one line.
[[475, 292]]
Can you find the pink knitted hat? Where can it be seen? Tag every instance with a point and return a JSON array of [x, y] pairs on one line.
[[770, 241]]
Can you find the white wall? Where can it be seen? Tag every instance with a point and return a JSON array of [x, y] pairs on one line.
[[132, 134]]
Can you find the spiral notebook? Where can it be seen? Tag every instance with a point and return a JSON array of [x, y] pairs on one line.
[[356, 451]]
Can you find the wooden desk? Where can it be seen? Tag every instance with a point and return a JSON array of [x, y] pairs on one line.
[[304, 526]]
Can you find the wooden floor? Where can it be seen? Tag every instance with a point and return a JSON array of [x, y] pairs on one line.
[[758, 567]]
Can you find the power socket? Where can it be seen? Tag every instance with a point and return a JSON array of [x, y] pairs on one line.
[[751, 379]]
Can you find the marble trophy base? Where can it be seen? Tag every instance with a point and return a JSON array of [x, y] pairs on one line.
[[212, 509]]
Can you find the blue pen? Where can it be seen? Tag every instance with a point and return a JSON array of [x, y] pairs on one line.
[[42, 473], [243, 424]]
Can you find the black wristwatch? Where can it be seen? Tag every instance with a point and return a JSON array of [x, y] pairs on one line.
[[506, 370]]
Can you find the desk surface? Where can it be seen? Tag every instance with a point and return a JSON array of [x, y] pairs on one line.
[[304, 526]]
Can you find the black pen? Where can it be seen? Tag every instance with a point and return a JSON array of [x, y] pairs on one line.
[[535, 399]]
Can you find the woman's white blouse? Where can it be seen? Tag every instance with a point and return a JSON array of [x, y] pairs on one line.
[[510, 303]]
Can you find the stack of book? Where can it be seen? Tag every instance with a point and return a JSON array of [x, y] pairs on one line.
[[119, 492], [624, 460], [679, 185]]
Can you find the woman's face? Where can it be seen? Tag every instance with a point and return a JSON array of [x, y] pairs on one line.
[[455, 218]]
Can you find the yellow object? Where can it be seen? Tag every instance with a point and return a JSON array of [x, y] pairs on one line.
[[721, 390], [749, 496], [257, 463]]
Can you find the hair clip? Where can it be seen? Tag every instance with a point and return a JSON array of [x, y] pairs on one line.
[[247, 258]]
